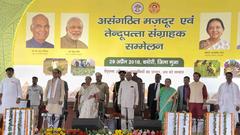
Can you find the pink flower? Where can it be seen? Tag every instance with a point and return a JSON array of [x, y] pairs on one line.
[[135, 132], [153, 133]]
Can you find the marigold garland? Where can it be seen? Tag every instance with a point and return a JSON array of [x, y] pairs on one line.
[[10, 125], [214, 123], [175, 123], [19, 122], [184, 123]]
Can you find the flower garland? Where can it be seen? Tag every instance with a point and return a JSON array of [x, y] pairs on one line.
[[14, 121], [75, 132], [204, 123], [118, 132], [175, 123], [31, 123], [184, 123], [225, 123], [53, 131], [100, 132], [19, 122], [214, 123], [10, 125], [59, 131]]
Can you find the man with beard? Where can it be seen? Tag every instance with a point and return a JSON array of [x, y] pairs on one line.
[[197, 96], [74, 31], [228, 97]]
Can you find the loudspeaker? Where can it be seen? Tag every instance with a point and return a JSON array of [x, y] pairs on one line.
[[147, 124], [87, 123]]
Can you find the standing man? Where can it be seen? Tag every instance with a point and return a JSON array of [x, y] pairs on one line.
[[197, 96], [40, 30], [65, 103], [104, 94], [35, 96], [115, 91], [115, 95], [229, 96], [10, 91], [140, 108], [53, 98], [152, 96], [128, 100], [182, 95]]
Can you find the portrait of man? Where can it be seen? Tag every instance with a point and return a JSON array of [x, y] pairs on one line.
[[40, 30], [74, 30]]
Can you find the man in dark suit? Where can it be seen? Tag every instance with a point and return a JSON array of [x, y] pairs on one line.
[[153, 93], [115, 91], [182, 95], [63, 117]]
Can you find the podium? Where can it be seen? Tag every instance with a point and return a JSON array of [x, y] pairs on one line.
[[18, 121], [219, 123], [177, 123]]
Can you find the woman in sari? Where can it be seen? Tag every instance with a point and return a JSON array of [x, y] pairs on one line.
[[215, 29], [167, 100], [89, 96]]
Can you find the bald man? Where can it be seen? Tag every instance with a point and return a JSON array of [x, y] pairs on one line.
[[74, 31], [40, 30], [128, 101]]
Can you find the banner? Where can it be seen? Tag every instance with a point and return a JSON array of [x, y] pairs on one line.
[[173, 38]]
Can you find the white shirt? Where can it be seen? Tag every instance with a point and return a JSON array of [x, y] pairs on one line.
[[157, 96], [128, 94], [228, 98], [10, 88], [34, 93]]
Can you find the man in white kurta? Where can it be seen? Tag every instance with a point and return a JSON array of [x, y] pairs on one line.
[[128, 100], [53, 98], [10, 91], [228, 96]]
